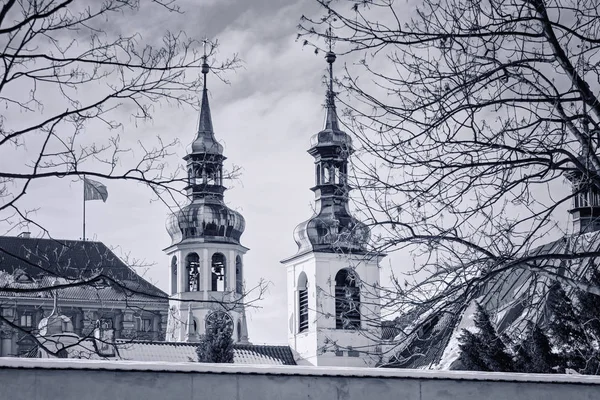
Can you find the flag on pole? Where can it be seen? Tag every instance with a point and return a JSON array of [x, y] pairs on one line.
[[94, 190]]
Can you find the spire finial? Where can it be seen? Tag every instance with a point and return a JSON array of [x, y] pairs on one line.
[[205, 124], [205, 67], [330, 56], [331, 121]]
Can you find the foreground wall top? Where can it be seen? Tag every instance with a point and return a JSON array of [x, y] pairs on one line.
[[289, 371]]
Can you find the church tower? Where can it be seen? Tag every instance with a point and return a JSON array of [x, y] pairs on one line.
[[586, 199], [333, 304], [206, 268]]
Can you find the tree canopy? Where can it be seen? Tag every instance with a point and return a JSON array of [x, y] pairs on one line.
[[479, 125]]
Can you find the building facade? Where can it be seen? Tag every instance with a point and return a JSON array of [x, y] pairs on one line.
[[96, 288]]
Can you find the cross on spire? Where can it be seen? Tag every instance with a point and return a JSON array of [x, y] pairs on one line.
[[205, 67], [331, 121], [204, 43]]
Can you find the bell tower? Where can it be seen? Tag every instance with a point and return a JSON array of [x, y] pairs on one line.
[[206, 256], [586, 198], [332, 281]]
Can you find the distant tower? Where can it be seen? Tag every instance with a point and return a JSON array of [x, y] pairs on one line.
[[206, 254], [333, 307], [586, 200]]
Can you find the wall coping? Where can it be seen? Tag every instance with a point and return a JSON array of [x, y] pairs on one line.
[[206, 368]]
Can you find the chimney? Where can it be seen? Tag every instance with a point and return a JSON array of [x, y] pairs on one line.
[[25, 235]]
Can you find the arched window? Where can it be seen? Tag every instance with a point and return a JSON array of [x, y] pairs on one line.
[[239, 331], [347, 300], [192, 265], [197, 174], [318, 174], [302, 303], [218, 273], [239, 277], [174, 275]]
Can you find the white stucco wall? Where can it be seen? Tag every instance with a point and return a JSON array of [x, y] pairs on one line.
[[35, 379], [320, 269], [200, 300]]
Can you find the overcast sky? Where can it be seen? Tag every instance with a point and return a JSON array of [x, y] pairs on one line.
[[264, 118]]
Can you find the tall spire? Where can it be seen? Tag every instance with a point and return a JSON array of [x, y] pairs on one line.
[[205, 125], [205, 141], [331, 121]]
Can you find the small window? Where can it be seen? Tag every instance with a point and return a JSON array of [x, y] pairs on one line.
[[302, 303], [147, 325], [105, 323], [239, 276], [192, 266], [26, 320], [8, 313], [303, 315], [174, 275], [218, 273]]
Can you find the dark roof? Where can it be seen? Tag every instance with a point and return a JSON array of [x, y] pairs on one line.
[[514, 298], [41, 260]]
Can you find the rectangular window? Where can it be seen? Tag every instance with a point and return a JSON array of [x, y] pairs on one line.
[[303, 310], [105, 323], [8, 312], [26, 320], [147, 325]]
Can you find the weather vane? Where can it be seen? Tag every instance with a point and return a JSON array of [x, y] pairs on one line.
[[330, 58], [204, 43], [205, 67], [329, 37]]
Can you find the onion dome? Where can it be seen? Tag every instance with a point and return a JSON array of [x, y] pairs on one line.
[[205, 219], [332, 228], [336, 233]]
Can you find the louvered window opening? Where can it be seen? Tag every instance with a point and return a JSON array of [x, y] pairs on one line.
[[303, 310], [347, 307], [587, 199]]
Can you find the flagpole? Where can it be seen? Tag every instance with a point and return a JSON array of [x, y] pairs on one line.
[[83, 207]]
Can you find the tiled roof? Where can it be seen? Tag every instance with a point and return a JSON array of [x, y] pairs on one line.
[[44, 260], [186, 352], [262, 354], [514, 298]]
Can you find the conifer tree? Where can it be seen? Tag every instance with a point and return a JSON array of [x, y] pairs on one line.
[[484, 350], [566, 330], [588, 312], [216, 346], [535, 354]]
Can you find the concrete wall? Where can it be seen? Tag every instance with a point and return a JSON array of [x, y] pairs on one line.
[[34, 379]]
